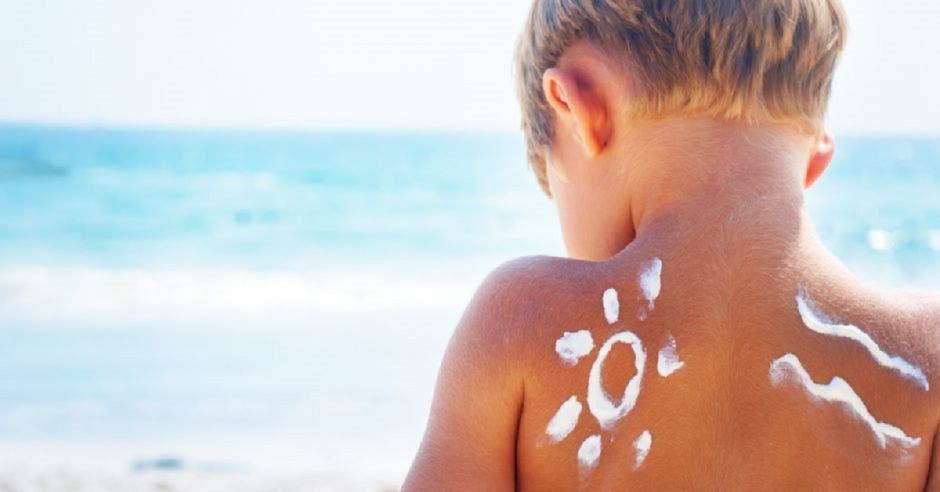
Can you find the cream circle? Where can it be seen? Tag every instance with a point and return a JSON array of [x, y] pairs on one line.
[[603, 409]]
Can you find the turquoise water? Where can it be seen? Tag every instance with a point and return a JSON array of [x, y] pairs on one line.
[[219, 290], [128, 198]]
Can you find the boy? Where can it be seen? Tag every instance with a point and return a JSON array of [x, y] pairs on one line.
[[700, 337]]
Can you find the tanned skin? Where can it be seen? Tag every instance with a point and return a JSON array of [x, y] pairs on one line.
[[721, 204]]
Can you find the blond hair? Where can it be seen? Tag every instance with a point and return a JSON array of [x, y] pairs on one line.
[[746, 60]]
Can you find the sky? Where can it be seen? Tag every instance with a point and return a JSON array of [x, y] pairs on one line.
[[366, 64]]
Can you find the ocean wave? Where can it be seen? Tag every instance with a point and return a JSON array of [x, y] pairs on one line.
[[225, 297]]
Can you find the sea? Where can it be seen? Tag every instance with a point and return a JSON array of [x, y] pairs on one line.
[[258, 301]]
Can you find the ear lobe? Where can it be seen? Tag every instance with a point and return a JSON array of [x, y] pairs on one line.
[[822, 155], [579, 107]]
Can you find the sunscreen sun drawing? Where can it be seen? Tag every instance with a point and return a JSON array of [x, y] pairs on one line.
[[572, 347]]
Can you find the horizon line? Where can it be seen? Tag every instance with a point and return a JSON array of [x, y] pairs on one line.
[[346, 129]]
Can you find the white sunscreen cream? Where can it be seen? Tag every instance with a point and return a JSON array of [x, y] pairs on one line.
[[572, 346], [839, 391], [642, 446], [820, 323], [611, 306], [650, 284], [668, 361], [606, 412], [564, 420], [589, 452]]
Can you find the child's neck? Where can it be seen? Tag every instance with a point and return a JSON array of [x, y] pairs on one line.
[[736, 190]]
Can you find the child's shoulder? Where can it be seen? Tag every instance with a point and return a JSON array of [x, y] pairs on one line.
[[905, 324], [921, 316], [526, 290], [520, 299], [895, 328]]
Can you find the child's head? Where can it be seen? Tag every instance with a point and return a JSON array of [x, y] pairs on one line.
[[751, 61]]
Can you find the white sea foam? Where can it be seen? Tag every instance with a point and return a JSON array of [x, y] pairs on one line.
[[934, 240], [642, 446], [60, 297], [589, 452], [572, 346], [611, 306], [839, 391], [606, 412], [880, 240], [668, 361], [820, 323]]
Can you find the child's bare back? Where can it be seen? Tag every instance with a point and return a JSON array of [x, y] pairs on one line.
[[741, 384], [657, 369], [702, 338]]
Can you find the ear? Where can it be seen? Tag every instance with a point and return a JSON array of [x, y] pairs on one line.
[[579, 108], [823, 150]]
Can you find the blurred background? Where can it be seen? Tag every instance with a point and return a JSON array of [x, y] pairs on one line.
[[235, 236]]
